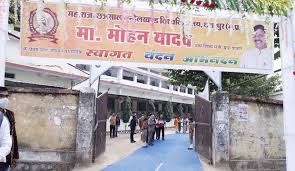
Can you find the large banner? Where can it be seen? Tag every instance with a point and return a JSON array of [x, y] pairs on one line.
[[145, 38]]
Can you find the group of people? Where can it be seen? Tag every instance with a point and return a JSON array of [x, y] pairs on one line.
[[115, 122], [180, 123], [151, 126]]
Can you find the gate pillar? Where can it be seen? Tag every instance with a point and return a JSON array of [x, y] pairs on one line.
[[220, 123], [84, 140]]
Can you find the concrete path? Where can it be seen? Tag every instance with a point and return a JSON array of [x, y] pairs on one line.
[[168, 155]]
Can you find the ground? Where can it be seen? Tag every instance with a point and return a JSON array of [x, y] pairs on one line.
[[164, 155]]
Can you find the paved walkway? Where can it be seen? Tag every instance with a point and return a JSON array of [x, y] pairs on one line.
[[168, 155]]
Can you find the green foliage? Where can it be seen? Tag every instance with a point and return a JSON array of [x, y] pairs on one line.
[[169, 110], [179, 110], [276, 40], [186, 77], [151, 107], [126, 109], [14, 19], [261, 87], [258, 87]]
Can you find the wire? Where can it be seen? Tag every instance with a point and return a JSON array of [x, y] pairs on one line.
[[260, 76], [78, 69]]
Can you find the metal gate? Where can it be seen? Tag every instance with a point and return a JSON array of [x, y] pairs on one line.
[[100, 125], [203, 127]]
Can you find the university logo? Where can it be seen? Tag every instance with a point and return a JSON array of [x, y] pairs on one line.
[[43, 25]]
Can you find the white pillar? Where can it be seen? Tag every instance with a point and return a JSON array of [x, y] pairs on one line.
[[135, 78], [3, 38], [287, 44], [186, 90], [120, 73], [148, 80], [171, 87], [160, 83], [178, 88]]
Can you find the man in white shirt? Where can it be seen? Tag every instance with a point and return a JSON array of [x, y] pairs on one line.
[[9, 161], [259, 57], [5, 137]]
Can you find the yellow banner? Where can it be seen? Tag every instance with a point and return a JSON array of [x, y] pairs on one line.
[[145, 37]]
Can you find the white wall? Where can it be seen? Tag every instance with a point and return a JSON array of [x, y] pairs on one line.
[[38, 78]]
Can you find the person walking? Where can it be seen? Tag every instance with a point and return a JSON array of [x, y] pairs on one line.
[[191, 132], [185, 122], [176, 123], [132, 125], [179, 124], [140, 121], [155, 123], [8, 139], [157, 129], [118, 122], [112, 125], [162, 123], [151, 129], [144, 131], [130, 118]]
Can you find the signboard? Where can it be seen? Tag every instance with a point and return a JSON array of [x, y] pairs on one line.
[[243, 114], [144, 38]]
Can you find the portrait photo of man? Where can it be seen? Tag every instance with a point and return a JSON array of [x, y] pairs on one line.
[[260, 56]]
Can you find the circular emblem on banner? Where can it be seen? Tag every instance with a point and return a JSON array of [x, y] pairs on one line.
[[43, 25]]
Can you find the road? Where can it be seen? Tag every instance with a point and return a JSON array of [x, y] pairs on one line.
[[169, 155]]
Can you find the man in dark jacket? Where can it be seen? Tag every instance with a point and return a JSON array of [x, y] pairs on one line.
[[132, 125], [9, 162]]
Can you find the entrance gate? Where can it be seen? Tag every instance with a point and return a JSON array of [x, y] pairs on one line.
[[100, 126], [203, 127]]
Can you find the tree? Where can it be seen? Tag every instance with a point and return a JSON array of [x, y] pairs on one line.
[[169, 111], [262, 86], [151, 109], [179, 110], [126, 110]]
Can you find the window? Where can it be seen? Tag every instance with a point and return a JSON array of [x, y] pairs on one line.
[[154, 82], [113, 72], [175, 88], [9, 75], [155, 72], [190, 91], [83, 67], [182, 89], [143, 68], [141, 79], [127, 75], [165, 85]]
